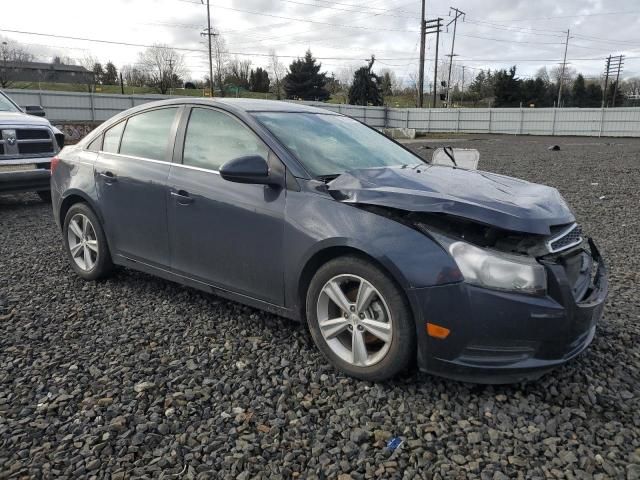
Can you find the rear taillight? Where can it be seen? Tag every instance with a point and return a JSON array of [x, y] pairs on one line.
[[54, 164]]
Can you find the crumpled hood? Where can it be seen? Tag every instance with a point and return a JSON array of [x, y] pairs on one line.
[[488, 198]]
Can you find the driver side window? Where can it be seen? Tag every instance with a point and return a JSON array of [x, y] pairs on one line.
[[214, 138]]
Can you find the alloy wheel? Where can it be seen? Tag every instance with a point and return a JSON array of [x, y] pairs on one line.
[[83, 242], [354, 320]]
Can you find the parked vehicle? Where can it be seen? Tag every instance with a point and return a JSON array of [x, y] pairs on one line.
[[319, 218], [27, 144]]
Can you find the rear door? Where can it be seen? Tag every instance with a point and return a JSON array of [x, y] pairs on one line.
[[131, 180], [223, 233]]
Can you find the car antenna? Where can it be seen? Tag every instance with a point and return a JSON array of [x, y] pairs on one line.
[[449, 152]]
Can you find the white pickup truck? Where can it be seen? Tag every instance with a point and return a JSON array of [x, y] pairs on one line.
[[27, 144]]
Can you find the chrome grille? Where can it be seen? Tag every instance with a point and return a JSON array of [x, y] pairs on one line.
[[567, 238], [17, 142]]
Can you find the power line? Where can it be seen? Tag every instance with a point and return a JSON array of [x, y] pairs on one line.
[[128, 44], [628, 12], [358, 27]]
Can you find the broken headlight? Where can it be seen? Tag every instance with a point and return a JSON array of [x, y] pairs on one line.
[[491, 269]]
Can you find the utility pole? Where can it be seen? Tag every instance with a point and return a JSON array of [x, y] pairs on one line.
[[564, 64], [209, 34], [459, 13], [614, 64], [462, 89], [121, 84], [423, 27], [170, 75], [606, 81], [615, 89], [434, 26]]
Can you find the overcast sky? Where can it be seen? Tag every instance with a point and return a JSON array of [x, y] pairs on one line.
[[341, 33]]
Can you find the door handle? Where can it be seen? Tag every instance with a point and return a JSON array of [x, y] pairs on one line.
[[182, 197], [109, 177]]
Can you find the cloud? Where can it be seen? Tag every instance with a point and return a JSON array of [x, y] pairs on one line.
[[343, 33]]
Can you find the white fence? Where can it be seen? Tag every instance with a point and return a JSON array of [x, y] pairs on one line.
[[615, 122]]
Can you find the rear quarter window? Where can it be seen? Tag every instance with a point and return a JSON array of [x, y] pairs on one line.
[[112, 138]]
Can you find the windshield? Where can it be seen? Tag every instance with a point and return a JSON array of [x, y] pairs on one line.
[[329, 145], [6, 105]]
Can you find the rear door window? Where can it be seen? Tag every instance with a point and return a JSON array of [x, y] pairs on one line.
[[149, 134]]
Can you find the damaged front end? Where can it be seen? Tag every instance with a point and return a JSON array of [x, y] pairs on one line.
[[533, 285]]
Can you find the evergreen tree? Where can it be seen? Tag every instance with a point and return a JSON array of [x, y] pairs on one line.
[[110, 76], [533, 92], [259, 80], [507, 88], [304, 80], [386, 84], [482, 86], [579, 92], [593, 96], [365, 89], [98, 73]]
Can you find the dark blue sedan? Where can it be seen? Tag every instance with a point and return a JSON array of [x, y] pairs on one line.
[[314, 216]]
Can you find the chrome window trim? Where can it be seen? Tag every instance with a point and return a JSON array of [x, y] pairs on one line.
[[564, 232], [164, 162], [199, 169], [173, 164]]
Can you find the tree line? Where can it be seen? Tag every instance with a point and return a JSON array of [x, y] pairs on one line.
[[163, 68], [503, 88]]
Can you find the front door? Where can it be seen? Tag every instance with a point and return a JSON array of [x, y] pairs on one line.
[[131, 178], [223, 233]]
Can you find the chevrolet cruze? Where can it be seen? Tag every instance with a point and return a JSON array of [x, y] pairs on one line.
[[389, 260]]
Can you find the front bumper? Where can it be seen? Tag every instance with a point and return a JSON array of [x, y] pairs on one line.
[[27, 179], [502, 337]]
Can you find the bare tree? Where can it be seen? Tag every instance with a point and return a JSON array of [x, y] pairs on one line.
[[570, 74], [89, 62], [277, 71], [238, 72], [11, 53], [543, 74], [220, 56], [133, 76], [164, 67], [345, 75]]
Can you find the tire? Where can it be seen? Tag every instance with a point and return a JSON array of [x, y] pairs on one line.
[[97, 264], [383, 324], [45, 195]]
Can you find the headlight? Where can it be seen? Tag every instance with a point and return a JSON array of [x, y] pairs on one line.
[[502, 271]]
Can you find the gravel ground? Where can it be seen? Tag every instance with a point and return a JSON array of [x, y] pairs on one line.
[[138, 377]]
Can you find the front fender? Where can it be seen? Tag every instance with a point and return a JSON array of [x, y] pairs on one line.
[[316, 223]]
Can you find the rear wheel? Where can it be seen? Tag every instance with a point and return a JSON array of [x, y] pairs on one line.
[[360, 320], [86, 243]]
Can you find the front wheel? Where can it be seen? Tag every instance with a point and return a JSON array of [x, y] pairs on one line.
[[85, 243], [359, 319]]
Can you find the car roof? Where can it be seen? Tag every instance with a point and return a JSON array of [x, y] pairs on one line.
[[244, 104]]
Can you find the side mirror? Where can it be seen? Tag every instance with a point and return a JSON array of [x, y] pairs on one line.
[[250, 169], [35, 110]]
